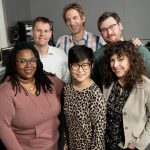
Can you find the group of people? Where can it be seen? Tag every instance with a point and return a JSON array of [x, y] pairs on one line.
[[89, 92]]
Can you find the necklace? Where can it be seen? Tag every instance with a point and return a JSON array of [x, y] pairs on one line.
[[31, 89]]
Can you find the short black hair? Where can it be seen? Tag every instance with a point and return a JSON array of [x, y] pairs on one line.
[[78, 53]]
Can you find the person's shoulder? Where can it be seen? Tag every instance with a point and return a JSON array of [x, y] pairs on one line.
[[99, 52], [101, 49], [97, 37], [62, 41], [146, 80], [95, 91], [55, 79], [56, 50], [67, 85], [5, 86], [58, 85], [91, 35], [63, 37], [145, 85], [143, 49], [96, 87]]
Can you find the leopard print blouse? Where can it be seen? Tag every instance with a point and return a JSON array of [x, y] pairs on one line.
[[85, 118]]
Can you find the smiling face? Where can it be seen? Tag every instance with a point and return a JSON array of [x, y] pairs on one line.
[[120, 66], [41, 33], [74, 21], [81, 71], [110, 30], [25, 64]]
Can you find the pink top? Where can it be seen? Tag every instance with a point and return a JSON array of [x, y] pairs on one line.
[[29, 122]]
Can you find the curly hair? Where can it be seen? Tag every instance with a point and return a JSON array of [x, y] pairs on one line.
[[41, 78], [136, 69]]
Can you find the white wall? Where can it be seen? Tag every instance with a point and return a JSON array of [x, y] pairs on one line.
[[3, 35]]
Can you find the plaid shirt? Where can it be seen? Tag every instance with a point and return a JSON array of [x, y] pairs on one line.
[[89, 39]]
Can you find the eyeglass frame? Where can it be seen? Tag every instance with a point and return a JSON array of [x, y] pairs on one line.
[[23, 61], [89, 65], [104, 30]]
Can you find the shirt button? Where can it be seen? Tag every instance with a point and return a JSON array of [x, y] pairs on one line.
[[126, 128], [125, 113]]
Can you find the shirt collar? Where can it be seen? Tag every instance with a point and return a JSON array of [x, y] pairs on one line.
[[83, 38]]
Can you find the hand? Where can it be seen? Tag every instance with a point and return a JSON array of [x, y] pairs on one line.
[[131, 146], [136, 41], [65, 147]]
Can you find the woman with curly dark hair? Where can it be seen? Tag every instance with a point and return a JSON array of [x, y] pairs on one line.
[[126, 89], [29, 103]]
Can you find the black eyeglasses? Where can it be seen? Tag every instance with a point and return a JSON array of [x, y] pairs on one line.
[[23, 61], [84, 66], [111, 27]]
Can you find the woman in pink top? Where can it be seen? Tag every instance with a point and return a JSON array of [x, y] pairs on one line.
[[29, 103]]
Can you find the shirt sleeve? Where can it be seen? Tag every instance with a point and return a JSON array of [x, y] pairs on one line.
[[7, 112], [143, 141]]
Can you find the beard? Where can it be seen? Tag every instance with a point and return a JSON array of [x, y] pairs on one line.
[[112, 38]]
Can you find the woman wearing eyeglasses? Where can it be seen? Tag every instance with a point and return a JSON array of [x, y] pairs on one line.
[[29, 103], [84, 105]]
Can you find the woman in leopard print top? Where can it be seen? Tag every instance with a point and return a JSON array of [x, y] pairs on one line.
[[84, 105]]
